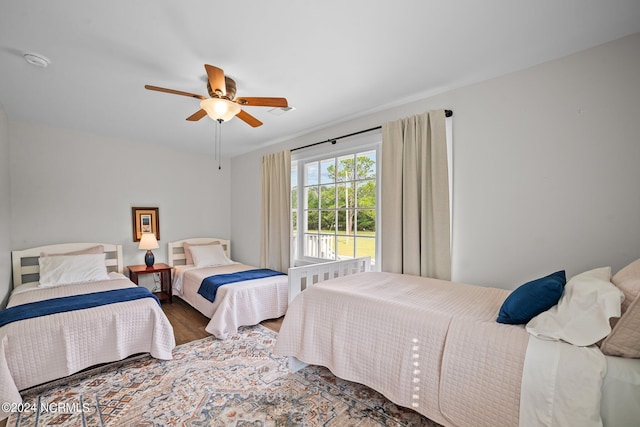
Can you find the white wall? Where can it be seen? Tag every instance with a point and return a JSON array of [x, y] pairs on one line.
[[5, 211], [545, 168], [69, 186]]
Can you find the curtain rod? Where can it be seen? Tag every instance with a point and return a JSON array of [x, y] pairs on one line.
[[447, 113]]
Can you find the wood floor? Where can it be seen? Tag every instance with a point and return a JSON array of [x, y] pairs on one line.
[[188, 323]]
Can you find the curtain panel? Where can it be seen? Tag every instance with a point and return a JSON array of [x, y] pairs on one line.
[[415, 223], [275, 238]]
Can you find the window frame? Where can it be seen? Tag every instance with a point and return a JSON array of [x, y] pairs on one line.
[[371, 141]]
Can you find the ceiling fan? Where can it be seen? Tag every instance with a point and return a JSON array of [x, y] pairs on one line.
[[223, 105]]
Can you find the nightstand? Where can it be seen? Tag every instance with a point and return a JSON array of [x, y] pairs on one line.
[[165, 293]]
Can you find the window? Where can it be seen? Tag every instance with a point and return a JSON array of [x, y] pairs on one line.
[[334, 203]]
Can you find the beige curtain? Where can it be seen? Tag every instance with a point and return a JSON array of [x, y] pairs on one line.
[[415, 231], [276, 211]]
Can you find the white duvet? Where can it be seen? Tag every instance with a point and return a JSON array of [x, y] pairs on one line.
[[38, 350], [236, 304]]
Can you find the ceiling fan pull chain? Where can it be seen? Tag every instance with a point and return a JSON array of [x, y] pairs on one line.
[[218, 141]]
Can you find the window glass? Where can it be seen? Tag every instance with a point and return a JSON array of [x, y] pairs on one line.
[[311, 173], [338, 205]]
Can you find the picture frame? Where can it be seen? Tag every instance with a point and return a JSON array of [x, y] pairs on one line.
[[145, 220]]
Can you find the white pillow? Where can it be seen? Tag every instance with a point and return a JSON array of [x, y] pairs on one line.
[[582, 315], [188, 259], [209, 256], [67, 269]]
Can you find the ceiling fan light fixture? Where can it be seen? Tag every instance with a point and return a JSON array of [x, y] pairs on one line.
[[220, 109]]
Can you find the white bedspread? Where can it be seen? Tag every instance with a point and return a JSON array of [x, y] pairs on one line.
[[436, 347], [236, 304], [38, 350], [373, 328]]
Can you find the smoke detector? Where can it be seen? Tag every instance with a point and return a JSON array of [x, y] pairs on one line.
[[36, 59]]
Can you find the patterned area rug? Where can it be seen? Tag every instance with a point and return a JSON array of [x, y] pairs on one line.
[[236, 382]]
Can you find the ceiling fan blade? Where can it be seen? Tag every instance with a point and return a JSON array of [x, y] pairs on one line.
[[216, 79], [262, 102], [248, 119], [175, 92], [197, 115]]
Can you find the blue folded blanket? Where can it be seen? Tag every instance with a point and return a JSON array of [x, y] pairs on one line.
[[209, 286], [71, 303]]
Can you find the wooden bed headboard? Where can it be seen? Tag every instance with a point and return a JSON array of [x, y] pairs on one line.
[[26, 267], [176, 249]]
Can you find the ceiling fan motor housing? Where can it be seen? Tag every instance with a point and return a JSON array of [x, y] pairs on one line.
[[231, 89]]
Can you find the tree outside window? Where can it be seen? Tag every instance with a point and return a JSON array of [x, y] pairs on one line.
[[338, 206]]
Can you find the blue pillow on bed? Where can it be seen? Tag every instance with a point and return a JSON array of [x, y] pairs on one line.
[[532, 298]]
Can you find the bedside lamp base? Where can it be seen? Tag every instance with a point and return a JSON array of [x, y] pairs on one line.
[[149, 259]]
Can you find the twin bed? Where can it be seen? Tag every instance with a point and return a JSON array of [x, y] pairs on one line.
[[236, 304], [35, 350], [435, 346]]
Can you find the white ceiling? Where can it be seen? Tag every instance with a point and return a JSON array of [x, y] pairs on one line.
[[332, 59]]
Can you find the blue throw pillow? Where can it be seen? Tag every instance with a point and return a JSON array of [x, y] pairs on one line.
[[532, 298]]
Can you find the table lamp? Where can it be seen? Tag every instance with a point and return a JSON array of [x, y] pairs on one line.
[[148, 241]]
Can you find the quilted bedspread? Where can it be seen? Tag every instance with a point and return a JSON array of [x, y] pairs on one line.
[[236, 304], [41, 349], [426, 344]]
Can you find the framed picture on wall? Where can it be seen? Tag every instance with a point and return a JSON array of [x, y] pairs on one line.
[[145, 220]]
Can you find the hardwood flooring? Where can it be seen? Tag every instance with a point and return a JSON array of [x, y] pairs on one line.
[[188, 323]]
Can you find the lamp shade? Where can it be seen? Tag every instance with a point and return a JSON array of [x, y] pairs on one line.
[[220, 109], [148, 241]]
